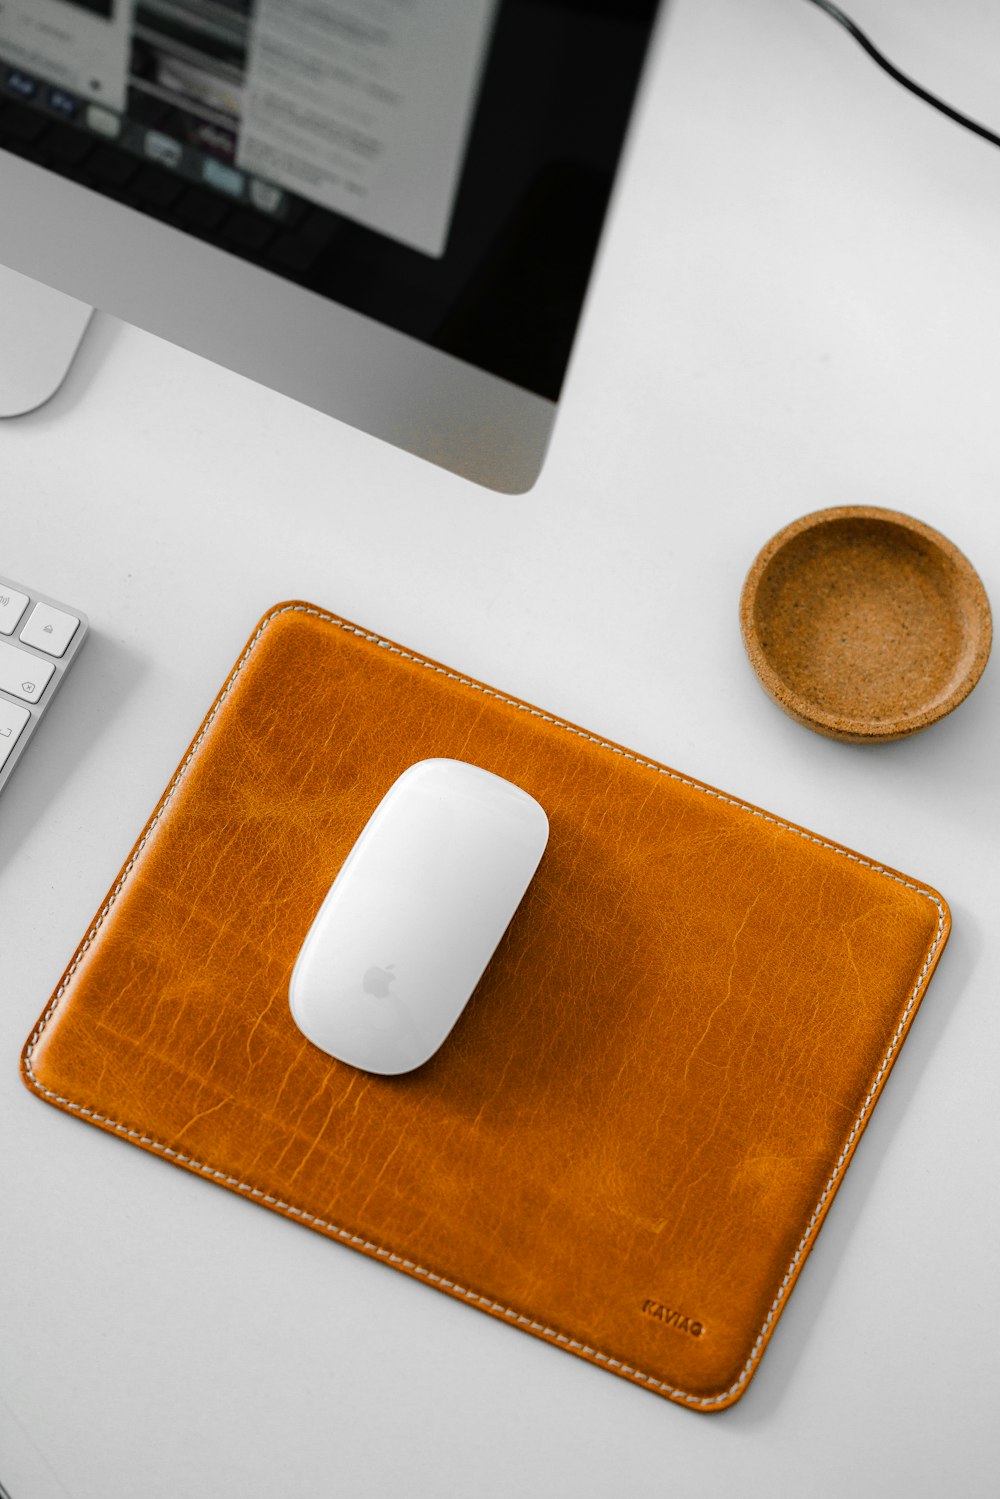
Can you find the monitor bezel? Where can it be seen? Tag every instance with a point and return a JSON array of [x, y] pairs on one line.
[[252, 320]]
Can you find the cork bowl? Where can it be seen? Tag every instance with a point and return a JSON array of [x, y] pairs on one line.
[[864, 624]]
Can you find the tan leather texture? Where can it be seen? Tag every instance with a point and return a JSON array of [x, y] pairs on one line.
[[630, 1140]]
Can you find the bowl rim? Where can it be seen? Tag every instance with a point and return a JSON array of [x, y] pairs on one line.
[[967, 585]]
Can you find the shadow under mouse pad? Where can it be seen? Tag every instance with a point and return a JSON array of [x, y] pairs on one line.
[[629, 1141]]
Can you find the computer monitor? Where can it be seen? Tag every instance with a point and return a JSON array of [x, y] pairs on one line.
[[387, 209]]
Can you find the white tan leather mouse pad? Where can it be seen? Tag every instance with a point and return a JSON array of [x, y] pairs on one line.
[[629, 1141]]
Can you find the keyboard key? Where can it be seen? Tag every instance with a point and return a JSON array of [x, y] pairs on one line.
[[60, 633], [12, 720], [12, 606], [23, 675], [49, 629]]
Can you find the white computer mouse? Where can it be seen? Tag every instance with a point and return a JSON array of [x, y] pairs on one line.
[[413, 917]]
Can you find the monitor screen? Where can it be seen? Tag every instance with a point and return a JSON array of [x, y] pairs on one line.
[[438, 168]]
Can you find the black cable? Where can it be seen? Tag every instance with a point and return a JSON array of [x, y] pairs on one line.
[[883, 62]]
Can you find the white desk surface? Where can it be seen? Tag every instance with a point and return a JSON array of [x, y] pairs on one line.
[[797, 306]]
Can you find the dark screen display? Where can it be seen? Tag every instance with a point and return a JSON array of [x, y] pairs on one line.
[[550, 114], [103, 8]]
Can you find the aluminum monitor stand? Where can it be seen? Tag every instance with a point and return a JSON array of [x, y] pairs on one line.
[[40, 332]]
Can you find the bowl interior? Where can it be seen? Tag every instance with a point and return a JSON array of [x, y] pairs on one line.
[[863, 619]]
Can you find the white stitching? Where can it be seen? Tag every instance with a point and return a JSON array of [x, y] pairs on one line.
[[636, 1375]]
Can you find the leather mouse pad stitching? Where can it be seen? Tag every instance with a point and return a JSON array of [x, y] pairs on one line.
[[556, 1329]]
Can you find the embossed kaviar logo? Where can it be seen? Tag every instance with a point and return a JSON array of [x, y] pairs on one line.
[[670, 1316]]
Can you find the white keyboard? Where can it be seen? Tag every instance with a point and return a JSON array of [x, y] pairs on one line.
[[39, 641]]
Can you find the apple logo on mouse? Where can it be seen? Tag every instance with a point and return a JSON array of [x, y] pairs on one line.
[[377, 980]]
